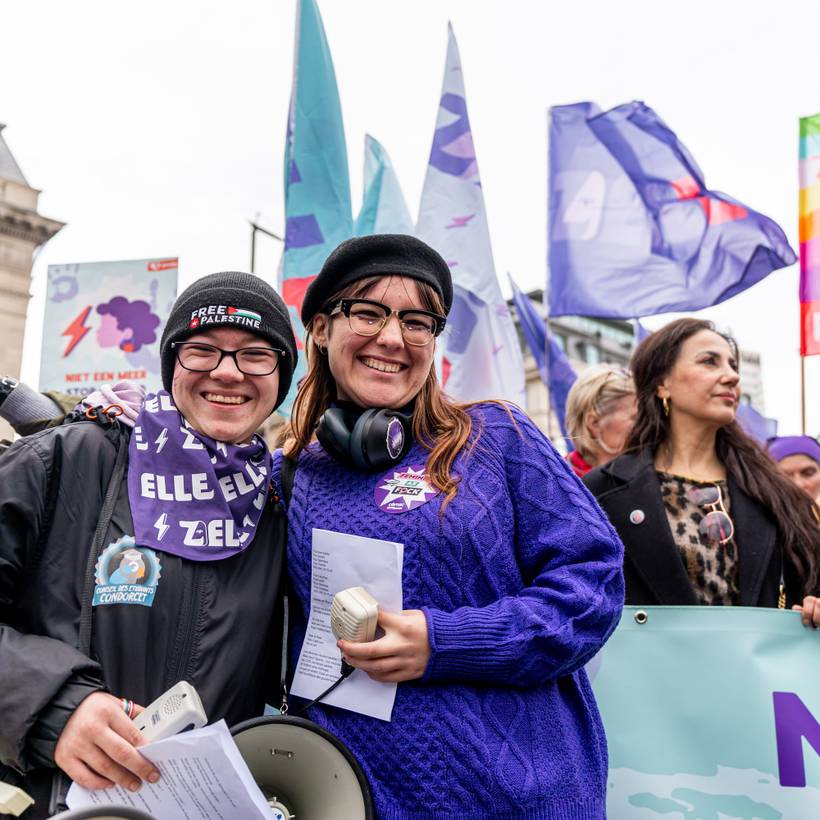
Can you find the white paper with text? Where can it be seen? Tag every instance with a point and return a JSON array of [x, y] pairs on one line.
[[202, 777], [341, 561]]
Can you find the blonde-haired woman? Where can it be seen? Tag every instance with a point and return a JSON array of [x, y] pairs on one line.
[[511, 578], [601, 409]]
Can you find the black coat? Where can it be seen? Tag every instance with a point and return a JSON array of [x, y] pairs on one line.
[[212, 623], [654, 570]]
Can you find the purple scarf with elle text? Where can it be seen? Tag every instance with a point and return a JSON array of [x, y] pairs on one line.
[[190, 495]]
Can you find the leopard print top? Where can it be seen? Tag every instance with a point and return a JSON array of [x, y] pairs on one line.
[[712, 568]]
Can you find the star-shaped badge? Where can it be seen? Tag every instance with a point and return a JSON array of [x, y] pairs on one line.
[[407, 489]]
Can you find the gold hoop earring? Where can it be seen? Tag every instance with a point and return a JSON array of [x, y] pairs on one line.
[[665, 403]]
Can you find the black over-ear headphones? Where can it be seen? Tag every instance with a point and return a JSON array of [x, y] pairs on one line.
[[370, 440]]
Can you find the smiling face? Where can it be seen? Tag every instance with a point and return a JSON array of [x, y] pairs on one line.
[[804, 471], [225, 404], [703, 384], [381, 370]]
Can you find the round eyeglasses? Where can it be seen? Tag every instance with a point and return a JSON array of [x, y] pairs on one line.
[[715, 526], [367, 318], [202, 358]]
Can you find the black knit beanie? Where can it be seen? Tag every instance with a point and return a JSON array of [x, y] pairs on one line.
[[231, 299], [385, 254]]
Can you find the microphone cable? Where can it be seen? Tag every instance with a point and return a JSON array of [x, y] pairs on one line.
[[346, 671]]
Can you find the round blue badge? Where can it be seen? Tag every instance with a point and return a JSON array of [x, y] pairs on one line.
[[126, 574]]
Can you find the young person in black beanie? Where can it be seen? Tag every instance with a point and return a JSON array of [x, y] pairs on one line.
[[130, 560]]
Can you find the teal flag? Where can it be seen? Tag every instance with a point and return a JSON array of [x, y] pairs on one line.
[[711, 713], [318, 214], [384, 209]]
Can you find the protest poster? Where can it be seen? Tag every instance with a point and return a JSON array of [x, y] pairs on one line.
[[711, 712], [103, 323]]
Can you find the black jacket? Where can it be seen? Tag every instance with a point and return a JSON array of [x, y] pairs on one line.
[[212, 623], [653, 568]]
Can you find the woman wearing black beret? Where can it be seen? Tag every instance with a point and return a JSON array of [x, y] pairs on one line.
[[511, 576]]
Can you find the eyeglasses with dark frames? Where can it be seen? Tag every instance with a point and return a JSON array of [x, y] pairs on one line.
[[367, 318], [199, 357], [716, 526]]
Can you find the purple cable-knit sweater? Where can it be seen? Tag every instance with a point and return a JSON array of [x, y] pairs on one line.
[[520, 580]]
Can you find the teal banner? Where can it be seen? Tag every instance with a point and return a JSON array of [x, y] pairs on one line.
[[318, 214], [711, 713]]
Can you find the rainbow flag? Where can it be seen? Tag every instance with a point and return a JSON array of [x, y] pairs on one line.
[[810, 235]]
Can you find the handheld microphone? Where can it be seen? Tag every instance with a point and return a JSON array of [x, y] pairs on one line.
[[174, 711], [353, 615]]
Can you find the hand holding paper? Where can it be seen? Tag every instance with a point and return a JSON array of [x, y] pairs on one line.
[[203, 778], [97, 747]]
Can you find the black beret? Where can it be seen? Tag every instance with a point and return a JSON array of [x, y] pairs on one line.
[[231, 299], [384, 254]]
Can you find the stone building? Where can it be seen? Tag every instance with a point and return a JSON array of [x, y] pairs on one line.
[[22, 231]]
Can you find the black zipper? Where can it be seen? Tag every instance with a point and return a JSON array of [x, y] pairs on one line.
[[179, 670]]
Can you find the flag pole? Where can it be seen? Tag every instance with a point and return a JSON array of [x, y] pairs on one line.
[[254, 229], [803, 394], [547, 357]]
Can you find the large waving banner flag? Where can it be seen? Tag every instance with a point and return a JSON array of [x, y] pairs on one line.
[[384, 209], [481, 353], [633, 229], [552, 363], [317, 185], [711, 713], [810, 235]]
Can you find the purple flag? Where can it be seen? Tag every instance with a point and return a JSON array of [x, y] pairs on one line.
[[634, 231], [553, 365], [755, 424], [640, 332]]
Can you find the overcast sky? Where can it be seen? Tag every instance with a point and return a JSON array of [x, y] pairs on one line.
[[156, 129]]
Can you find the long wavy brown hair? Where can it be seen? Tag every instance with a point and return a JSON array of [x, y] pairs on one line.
[[440, 425], [755, 472]]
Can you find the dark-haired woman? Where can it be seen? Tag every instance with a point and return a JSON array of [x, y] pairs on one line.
[[511, 576], [704, 514]]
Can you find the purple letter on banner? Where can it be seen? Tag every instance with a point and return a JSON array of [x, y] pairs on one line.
[[302, 232], [793, 722]]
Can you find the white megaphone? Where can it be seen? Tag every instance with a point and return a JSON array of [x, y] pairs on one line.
[[303, 770]]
